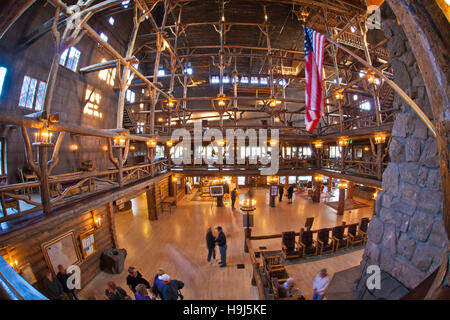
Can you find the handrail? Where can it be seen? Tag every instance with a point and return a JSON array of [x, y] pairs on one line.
[[14, 287]]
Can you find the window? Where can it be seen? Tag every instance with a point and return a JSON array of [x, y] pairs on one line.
[[140, 127], [159, 151], [28, 94], [282, 180], [226, 79], [125, 3], [292, 179], [282, 82], [2, 78], [111, 21], [241, 181], [366, 106], [69, 58], [93, 104], [355, 97], [254, 80], [263, 81], [244, 80], [109, 75], [161, 72], [104, 37], [215, 79], [335, 152], [130, 96]]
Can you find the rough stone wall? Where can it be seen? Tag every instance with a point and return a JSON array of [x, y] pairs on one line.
[[406, 237]]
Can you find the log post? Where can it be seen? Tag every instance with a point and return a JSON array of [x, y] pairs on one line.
[[341, 203], [151, 203], [45, 189]]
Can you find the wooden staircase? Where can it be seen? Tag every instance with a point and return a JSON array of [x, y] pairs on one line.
[[129, 121]]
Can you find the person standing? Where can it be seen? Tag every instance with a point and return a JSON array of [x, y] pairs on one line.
[[171, 288], [280, 192], [222, 243], [290, 193], [114, 292], [63, 277], [158, 285], [233, 198], [142, 293], [320, 284], [211, 245], [53, 286], [134, 278], [250, 193]]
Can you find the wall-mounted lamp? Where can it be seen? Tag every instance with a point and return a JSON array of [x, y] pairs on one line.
[[273, 142], [151, 143], [318, 144], [342, 185], [132, 147], [169, 143], [220, 143], [273, 101], [15, 265], [74, 147], [343, 142], [119, 142], [374, 195], [379, 139], [105, 148], [273, 179], [366, 148], [98, 220], [318, 178]]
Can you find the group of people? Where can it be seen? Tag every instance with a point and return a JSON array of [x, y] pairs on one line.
[[58, 288], [163, 287], [320, 284], [221, 240], [290, 193]]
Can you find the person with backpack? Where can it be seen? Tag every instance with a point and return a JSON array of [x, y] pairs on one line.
[[233, 198], [290, 193], [171, 288], [158, 285], [280, 192]]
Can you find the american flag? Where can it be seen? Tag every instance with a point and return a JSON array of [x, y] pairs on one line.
[[314, 106]]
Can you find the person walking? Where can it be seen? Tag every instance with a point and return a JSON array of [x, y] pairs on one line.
[[320, 284], [171, 288], [63, 277], [222, 243], [233, 198], [211, 245], [290, 193], [134, 278], [280, 192]]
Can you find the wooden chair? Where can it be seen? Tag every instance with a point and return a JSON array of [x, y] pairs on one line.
[[354, 236], [273, 268], [306, 243], [363, 226], [279, 292], [339, 237], [288, 246], [323, 242]]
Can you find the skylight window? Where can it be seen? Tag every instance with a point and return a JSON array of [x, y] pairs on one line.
[[28, 95], [69, 58], [366, 105], [161, 72], [111, 21], [215, 79], [244, 79], [104, 37], [2, 78], [130, 96]]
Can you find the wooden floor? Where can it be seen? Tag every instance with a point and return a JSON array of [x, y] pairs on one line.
[[176, 243]]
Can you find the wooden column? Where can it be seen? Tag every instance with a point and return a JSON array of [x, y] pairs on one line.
[[45, 189], [341, 203], [151, 203], [350, 190], [317, 187], [111, 224], [120, 173]]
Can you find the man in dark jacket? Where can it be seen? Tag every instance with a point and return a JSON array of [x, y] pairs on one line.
[[63, 278], [222, 243], [171, 287], [53, 286], [280, 192], [290, 192], [233, 198], [134, 278]]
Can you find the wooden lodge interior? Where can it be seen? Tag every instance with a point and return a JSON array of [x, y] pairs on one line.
[[127, 127]]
